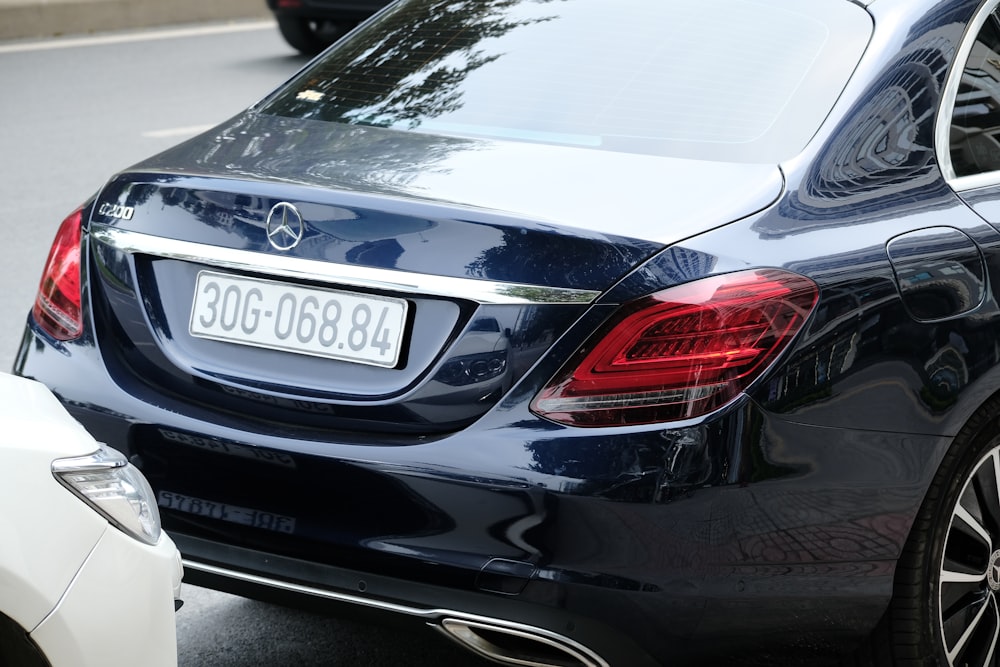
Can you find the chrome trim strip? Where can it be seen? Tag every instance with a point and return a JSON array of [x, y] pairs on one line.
[[942, 127], [435, 617], [470, 289], [313, 591], [975, 181]]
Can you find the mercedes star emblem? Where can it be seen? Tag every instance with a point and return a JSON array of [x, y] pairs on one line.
[[284, 226]]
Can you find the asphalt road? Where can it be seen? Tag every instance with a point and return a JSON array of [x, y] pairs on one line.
[[74, 111]]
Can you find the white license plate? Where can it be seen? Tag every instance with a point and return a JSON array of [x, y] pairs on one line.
[[361, 328], [232, 513]]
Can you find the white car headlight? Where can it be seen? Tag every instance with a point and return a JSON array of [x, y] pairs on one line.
[[107, 482]]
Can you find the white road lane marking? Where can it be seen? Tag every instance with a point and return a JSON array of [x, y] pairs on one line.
[[172, 132], [123, 38]]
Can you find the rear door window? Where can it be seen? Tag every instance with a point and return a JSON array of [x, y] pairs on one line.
[[975, 122]]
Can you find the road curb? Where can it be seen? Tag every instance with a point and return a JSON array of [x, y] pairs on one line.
[[26, 19]]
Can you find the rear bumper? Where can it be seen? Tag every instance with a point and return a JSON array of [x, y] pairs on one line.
[[630, 548], [489, 625]]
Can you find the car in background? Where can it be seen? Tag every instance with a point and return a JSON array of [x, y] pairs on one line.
[[87, 576], [312, 25], [586, 333]]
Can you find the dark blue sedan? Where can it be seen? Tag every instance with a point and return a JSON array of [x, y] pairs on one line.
[[587, 333]]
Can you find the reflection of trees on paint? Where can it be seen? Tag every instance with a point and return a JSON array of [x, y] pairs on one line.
[[433, 46]]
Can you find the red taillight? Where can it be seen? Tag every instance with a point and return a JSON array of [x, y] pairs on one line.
[[682, 352], [57, 306]]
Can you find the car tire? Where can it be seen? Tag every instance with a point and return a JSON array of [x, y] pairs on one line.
[[310, 36], [945, 608]]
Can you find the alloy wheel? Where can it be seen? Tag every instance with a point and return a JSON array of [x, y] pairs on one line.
[[968, 613]]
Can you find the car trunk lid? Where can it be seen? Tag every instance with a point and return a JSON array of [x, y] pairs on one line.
[[478, 280]]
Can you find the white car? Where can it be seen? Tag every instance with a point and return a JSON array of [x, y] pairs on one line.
[[86, 575]]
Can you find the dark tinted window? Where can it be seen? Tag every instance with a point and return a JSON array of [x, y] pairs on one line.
[[975, 122], [664, 76]]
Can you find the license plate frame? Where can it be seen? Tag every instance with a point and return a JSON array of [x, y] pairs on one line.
[[322, 322]]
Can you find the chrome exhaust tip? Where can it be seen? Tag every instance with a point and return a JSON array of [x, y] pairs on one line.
[[516, 644]]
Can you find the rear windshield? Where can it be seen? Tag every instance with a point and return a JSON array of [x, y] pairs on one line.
[[739, 80]]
